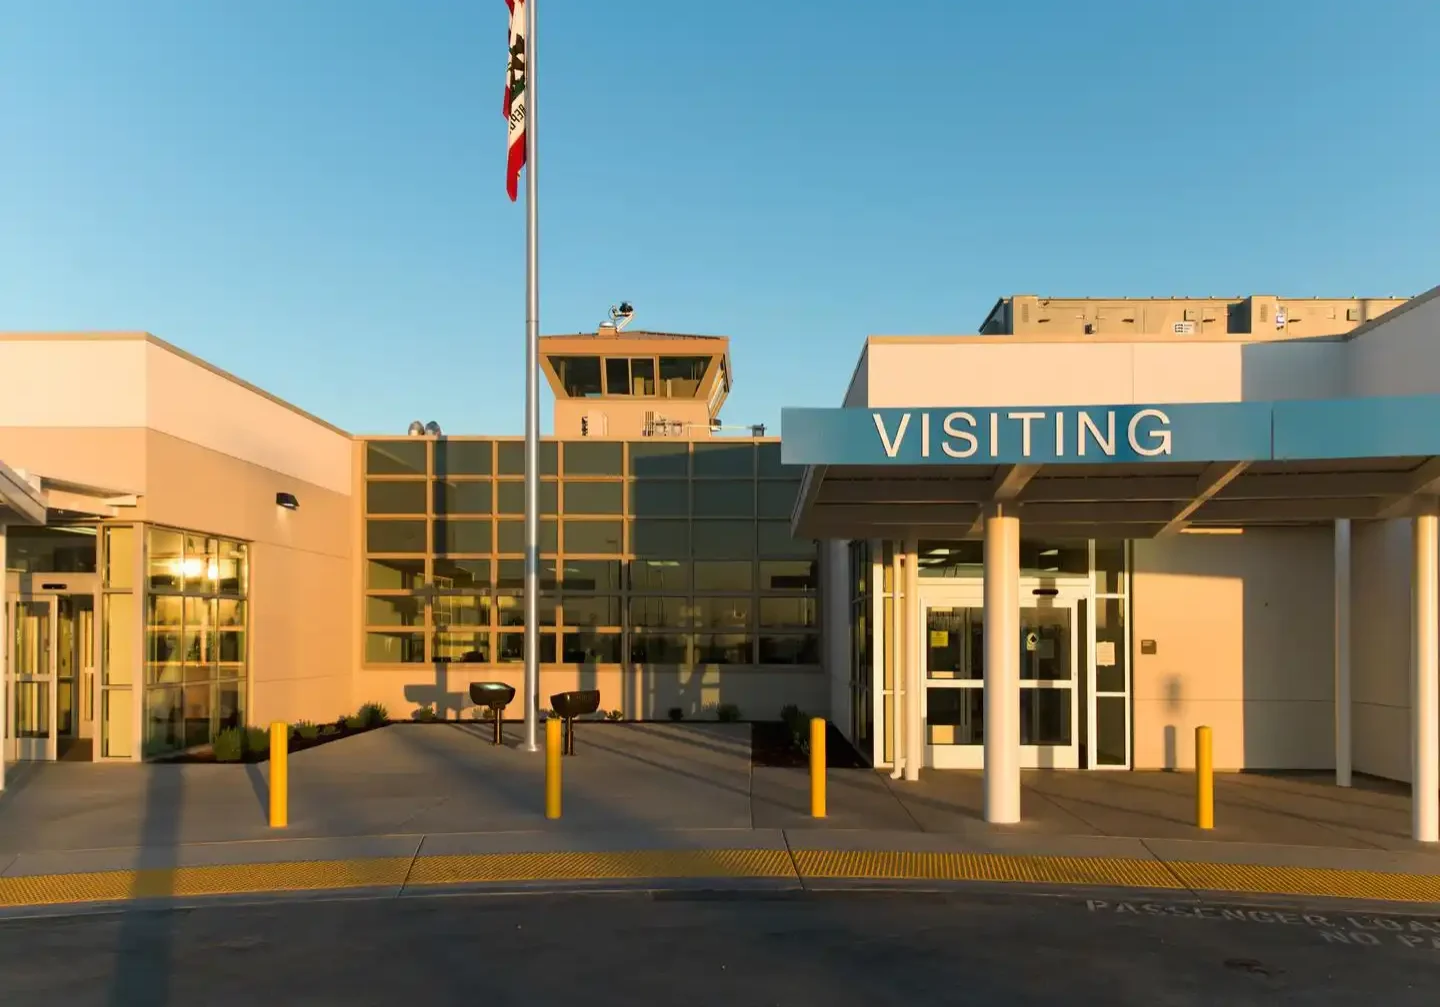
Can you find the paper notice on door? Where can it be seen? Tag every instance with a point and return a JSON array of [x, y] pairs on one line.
[[939, 638], [1104, 653]]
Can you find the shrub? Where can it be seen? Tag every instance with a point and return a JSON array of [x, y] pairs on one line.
[[257, 740], [426, 715], [306, 730], [329, 730], [354, 722], [676, 713], [374, 714], [727, 713], [229, 745], [615, 715]]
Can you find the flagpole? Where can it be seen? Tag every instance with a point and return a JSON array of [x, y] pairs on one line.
[[532, 398]]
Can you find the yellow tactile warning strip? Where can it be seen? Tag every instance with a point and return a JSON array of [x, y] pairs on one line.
[[799, 865], [585, 866], [858, 864]]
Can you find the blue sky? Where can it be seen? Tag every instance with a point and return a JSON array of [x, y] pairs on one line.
[[310, 193]]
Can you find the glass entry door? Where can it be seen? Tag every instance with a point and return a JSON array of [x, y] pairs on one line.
[[32, 685], [953, 644]]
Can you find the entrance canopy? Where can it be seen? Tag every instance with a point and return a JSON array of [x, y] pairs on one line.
[[20, 502], [1123, 471]]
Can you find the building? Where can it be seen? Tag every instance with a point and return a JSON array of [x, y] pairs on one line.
[[186, 553], [1162, 521]]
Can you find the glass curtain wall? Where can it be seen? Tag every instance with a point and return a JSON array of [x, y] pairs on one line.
[[862, 665], [196, 652], [652, 553], [119, 625]]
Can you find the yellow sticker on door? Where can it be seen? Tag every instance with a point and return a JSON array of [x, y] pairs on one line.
[[939, 638]]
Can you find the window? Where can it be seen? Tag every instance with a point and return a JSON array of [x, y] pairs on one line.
[[659, 460], [512, 648], [591, 648], [394, 497], [394, 648], [463, 458], [659, 648], [724, 575], [462, 498], [777, 499], [393, 610], [788, 575], [789, 648], [724, 539], [728, 648], [579, 376], [461, 536], [511, 536], [725, 499], [471, 647], [395, 458], [594, 498], [659, 575], [595, 458], [775, 540], [788, 613], [453, 610], [511, 609], [460, 574], [591, 610], [510, 458], [590, 575], [196, 652], [593, 536], [659, 537], [511, 497], [680, 377], [722, 460], [394, 536], [630, 375], [722, 613], [659, 612], [659, 499]]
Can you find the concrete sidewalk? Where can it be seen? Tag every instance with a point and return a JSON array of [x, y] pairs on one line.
[[410, 807]]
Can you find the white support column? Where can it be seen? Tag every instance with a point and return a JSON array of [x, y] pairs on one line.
[[1424, 689], [1002, 667], [897, 650], [4, 656], [914, 719], [1343, 754]]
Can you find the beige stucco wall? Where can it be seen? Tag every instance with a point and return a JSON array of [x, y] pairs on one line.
[[1003, 371], [1380, 637], [642, 694], [1398, 355], [1244, 630], [301, 638]]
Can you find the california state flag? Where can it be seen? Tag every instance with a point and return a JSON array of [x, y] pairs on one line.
[[515, 97]]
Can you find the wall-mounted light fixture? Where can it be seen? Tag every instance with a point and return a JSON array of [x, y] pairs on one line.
[[287, 500]]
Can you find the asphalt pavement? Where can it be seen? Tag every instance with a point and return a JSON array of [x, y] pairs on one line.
[[731, 949]]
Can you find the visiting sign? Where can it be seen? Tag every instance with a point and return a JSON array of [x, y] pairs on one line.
[[1088, 435]]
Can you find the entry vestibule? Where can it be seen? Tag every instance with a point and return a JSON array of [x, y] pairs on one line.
[[1227, 467]]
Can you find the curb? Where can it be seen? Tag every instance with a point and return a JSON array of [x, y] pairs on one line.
[[800, 868]]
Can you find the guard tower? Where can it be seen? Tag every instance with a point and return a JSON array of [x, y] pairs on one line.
[[616, 385]]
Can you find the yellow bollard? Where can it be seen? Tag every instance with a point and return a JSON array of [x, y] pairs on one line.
[[817, 767], [552, 768], [279, 775], [1204, 780]]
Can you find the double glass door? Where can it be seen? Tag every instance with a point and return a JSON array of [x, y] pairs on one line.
[[953, 644], [51, 674]]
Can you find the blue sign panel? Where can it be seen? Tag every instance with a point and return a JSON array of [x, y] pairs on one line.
[[1085, 435], [1386, 427]]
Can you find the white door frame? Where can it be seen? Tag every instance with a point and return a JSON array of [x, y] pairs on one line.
[[1035, 592], [17, 748]]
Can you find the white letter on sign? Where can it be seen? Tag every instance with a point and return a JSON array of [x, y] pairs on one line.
[[971, 444], [892, 448], [1159, 435], [1025, 420]]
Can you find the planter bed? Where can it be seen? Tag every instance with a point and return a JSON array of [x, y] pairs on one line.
[[773, 745], [205, 754]]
